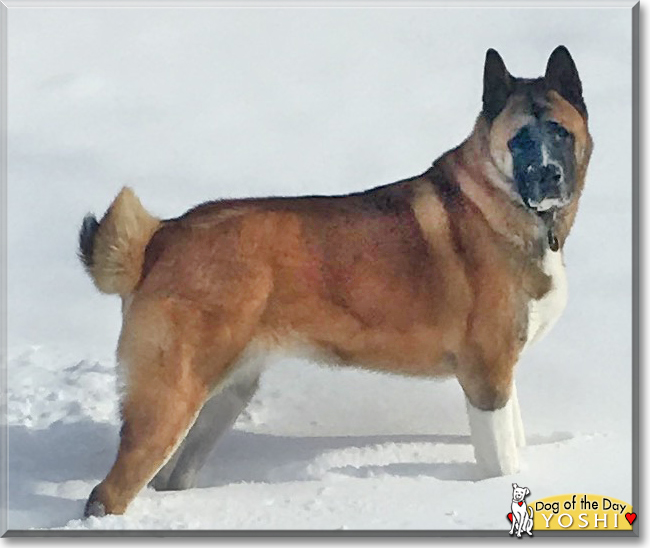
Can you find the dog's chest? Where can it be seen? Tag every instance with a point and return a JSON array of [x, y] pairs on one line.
[[518, 507], [543, 313]]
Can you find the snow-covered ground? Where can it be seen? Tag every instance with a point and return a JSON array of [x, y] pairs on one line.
[[187, 105]]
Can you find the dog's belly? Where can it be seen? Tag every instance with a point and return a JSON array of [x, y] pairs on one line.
[[418, 353], [543, 313]]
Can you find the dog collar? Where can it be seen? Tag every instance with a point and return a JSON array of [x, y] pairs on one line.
[[548, 218]]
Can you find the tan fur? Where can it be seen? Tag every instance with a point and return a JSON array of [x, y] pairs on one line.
[[567, 115], [120, 243], [429, 276], [509, 121]]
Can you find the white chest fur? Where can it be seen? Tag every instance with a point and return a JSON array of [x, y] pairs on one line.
[[543, 314]]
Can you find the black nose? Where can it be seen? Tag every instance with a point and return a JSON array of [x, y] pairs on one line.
[[551, 174]]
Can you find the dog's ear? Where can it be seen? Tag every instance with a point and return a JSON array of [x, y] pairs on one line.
[[562, 76], [497, 84], [514, 486], [527, 491]]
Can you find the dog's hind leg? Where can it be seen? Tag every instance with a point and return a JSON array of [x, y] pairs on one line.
[[529, 524], [174, 356], [156, 415], [217, 415]]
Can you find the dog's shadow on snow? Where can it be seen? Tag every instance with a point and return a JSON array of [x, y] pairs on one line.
[[248, 457], [53, 469]]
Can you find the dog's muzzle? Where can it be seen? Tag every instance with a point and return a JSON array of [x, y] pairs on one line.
[[541, 168]]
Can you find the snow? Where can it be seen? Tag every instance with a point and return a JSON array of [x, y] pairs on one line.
[[187, 105]]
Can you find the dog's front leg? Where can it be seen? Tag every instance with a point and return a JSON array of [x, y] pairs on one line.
[[522, 519], [517, 422], [493, 437], [488, 389], [486, 378]]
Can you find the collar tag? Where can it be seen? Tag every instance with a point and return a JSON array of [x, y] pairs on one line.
[[553, 244]]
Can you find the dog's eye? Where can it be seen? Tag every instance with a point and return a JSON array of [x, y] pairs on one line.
[[522, 141], [559, 132]]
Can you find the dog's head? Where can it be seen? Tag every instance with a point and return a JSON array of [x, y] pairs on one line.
[[538, 135], [519, 493]]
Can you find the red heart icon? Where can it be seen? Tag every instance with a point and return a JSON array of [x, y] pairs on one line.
[[510, 516], [630, 517], [521, 503]]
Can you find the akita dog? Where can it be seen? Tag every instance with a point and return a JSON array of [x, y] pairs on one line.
[[449, 273]]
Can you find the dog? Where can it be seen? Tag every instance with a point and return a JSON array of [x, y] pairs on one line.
[[520, 517], [449, 273]]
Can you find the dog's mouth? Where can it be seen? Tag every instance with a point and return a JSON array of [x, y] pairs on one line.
[[547, 204], [542, 167], [542, 196]]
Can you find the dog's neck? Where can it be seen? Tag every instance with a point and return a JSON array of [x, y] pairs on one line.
[[482, 181], [470, 166]]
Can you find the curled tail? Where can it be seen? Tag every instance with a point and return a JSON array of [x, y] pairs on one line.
[[112, 250]]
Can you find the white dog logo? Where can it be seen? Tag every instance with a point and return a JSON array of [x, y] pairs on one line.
[[520, 516]]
